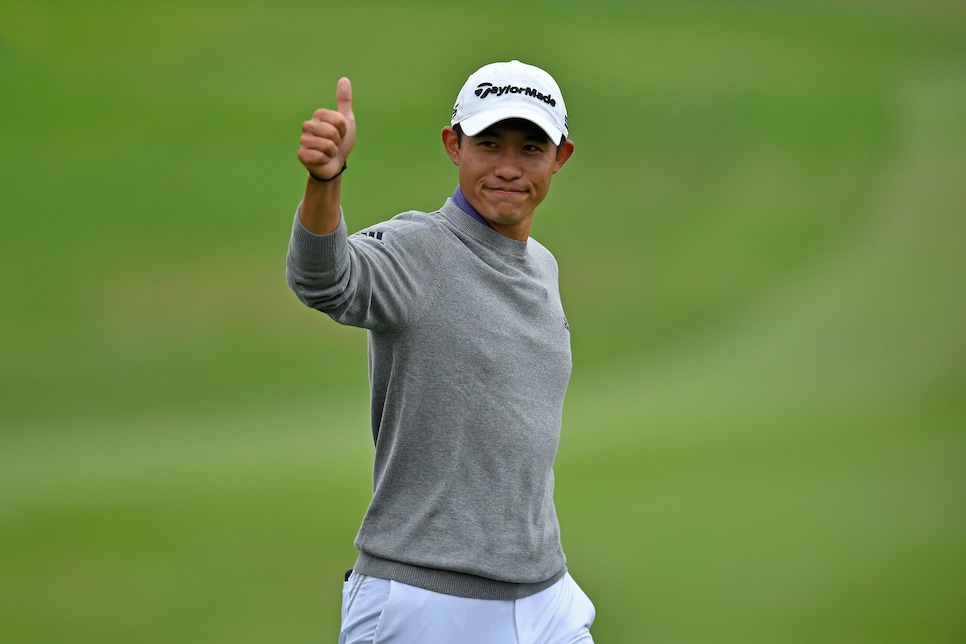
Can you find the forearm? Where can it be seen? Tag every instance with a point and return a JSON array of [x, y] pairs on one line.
[[320, 211]]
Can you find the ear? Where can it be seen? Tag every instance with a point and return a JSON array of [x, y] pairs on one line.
[[563, 154], [451, 144]]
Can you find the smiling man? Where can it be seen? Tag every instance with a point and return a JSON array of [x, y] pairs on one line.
[[469, 360], [505, 171]]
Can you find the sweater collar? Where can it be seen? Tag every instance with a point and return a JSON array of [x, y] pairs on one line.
[[483, 233], [460, 200]]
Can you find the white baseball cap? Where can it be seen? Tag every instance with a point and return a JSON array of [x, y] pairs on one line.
[[500, 91]]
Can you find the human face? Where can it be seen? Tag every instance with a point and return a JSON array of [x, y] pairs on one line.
[[505, 171]]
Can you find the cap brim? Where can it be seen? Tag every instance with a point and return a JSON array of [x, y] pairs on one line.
[[473, 125]]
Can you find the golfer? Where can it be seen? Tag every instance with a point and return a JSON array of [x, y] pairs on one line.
[[469, 360]]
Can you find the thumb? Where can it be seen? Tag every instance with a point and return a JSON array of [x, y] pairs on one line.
[[343, 97]]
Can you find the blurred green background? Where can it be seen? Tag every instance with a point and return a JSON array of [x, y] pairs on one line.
[[761, 238]]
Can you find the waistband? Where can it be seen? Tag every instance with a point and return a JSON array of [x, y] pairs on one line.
[[449, 582]]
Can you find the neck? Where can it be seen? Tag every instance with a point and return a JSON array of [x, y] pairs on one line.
[[460, 200]]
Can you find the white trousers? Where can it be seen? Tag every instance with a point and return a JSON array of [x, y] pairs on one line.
[[380, 611]]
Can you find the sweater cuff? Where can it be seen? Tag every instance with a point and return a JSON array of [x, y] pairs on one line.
[[314, 243]]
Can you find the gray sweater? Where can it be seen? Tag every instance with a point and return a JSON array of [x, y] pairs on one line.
[[469, 360]]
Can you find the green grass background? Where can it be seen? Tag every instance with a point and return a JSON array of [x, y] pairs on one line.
[[761, 238]]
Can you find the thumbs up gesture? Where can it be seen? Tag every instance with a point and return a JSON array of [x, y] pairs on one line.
[[328, 137]]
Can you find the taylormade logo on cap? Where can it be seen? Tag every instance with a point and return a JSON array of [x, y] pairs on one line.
[[485, 89], [501, 91]]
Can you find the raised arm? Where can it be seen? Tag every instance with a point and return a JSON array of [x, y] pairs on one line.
[[327, 140]]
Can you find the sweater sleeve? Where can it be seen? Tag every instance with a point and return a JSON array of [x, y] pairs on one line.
[[360, 280]]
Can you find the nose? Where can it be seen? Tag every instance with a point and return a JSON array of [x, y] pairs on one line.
[[509, 167]]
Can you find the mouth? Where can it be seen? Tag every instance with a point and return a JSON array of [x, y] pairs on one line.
[[506, 191]]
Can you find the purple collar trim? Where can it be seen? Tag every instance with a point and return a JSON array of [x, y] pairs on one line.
[[465, 206]]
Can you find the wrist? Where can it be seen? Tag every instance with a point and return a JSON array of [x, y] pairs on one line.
[[321, 180]]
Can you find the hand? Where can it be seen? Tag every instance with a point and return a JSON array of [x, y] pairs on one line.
[[327, 138]]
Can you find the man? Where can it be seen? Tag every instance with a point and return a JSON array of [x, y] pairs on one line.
[[469, 360]]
